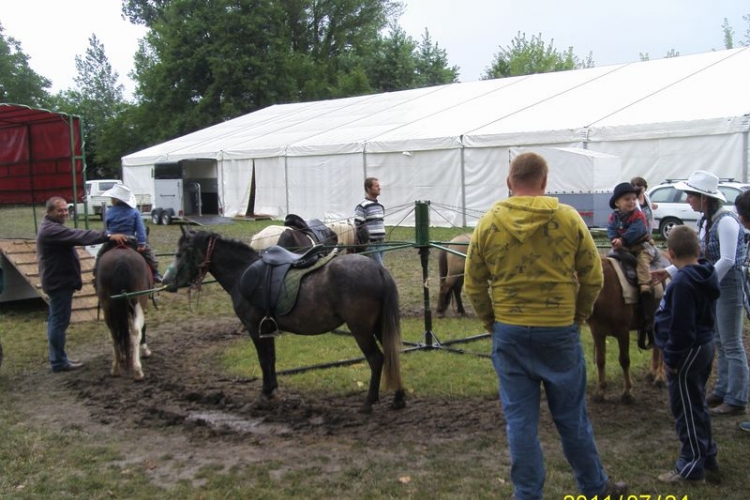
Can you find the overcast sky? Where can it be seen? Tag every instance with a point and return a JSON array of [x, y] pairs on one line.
[[53, 32]]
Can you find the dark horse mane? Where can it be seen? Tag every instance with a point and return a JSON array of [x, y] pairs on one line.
[[240, 246]]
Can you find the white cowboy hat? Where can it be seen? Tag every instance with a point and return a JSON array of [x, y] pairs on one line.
[[704, 183], [122, 193]]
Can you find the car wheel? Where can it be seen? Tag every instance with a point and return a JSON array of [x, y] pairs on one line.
[[667, 225], [156, 216], [166, 217]]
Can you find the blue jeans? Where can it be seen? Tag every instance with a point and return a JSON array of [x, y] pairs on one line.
[[732, 369], [377, 254], [60, 305], [525, 359]]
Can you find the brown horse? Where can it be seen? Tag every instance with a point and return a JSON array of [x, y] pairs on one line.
[[451, 269], [613, 317], [122, 270]]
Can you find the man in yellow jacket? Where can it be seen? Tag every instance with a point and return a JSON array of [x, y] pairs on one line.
[[532, 275]]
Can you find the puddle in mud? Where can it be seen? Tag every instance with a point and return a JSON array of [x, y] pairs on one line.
[[221, 420]]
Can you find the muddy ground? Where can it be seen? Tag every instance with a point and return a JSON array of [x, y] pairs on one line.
[[189, 410]]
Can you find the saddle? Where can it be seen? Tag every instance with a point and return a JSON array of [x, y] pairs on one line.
[[272, 282], [624, 264], [109, 245], [314, 228]]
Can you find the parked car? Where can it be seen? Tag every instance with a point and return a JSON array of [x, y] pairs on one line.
[[96, 203], [673, 208]]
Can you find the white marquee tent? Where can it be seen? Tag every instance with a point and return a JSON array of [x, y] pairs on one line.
[[451, 144]]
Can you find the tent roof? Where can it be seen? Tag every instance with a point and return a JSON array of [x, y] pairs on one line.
[[702, 93]]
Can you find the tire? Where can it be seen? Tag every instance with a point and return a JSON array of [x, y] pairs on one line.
[[166, 217], [666, 225], [156, 216]]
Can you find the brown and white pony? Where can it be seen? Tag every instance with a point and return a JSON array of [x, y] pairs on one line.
[[613, 317], [122, 271]]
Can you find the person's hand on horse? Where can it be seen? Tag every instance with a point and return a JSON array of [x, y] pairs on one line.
[[120, 239], [141, 248], [617, 243]]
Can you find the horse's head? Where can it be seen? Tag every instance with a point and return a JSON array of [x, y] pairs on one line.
[[186, 266]]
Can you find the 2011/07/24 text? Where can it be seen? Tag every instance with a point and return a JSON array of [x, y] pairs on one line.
[[645, 496]]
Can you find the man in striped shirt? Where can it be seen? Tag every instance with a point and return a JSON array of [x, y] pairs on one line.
[[372, 214]]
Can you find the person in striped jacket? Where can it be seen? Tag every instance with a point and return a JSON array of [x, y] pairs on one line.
[[371, 213]]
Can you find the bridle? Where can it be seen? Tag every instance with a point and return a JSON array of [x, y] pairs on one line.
[[195, 285]]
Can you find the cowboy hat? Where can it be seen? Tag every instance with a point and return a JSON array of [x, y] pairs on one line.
[[123, 193], [622, 189], [704, 183]]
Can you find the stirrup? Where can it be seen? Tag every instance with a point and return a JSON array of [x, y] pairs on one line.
[[275, 333]]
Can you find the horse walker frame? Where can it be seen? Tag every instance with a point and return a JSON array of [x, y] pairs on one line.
[[423, 243], [429, 341]]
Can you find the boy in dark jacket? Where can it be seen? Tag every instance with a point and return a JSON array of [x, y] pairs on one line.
[[684, 331]]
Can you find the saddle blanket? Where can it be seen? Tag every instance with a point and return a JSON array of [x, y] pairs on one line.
[[630, 292]]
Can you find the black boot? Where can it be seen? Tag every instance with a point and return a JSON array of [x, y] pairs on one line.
[[648, 308]]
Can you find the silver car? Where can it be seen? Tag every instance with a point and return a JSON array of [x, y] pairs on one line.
[[673, 208]]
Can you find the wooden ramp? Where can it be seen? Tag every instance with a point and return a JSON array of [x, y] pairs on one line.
[[22, 255]]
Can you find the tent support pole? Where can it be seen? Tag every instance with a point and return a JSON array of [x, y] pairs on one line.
[[463, 185]]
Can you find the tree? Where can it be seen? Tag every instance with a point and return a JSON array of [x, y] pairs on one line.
[[526, 57], [20, 84], [728, 34], [392, 65], [98, 99], [205, 62], [432, 64]]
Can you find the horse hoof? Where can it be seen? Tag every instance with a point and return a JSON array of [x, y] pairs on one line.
[[366, 408], [399, 400], [145, 352], [138, 378], [628, 399]]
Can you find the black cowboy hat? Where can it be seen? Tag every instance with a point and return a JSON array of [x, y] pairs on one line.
[[622, 189]]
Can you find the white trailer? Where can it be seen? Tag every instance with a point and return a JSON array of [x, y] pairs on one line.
[[185, 190]]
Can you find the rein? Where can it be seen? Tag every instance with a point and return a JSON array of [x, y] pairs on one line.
[[203, 267]]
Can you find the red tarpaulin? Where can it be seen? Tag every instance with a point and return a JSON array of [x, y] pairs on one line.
[[38, 149]]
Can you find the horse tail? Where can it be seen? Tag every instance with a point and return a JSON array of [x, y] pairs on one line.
[[443, 264], [122, 271], [390, 324], [118, 315]]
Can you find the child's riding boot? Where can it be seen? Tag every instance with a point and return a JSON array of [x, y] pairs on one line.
[[648, 306]]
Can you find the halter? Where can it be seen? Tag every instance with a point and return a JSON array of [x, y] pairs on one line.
[[203, 267]]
